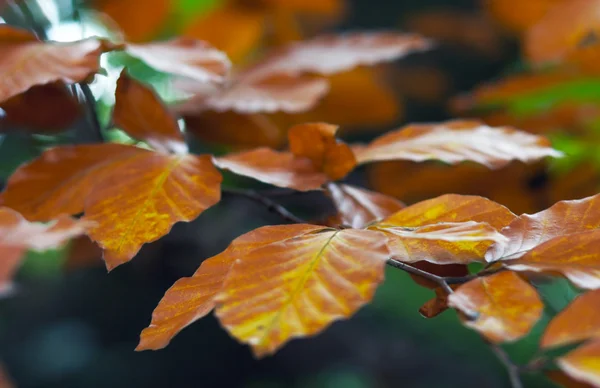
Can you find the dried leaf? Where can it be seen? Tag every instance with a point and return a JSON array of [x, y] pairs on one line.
[[139, 20], [528, 231], [507, 307], [358, 207], [25, 61], [457, 141], [436, 305], [576, 256], [133, 195], [579, 321], [312, 280], [186, 57], [281, 169], [582, 363], [562, 30], [190, 299], [140, 112]]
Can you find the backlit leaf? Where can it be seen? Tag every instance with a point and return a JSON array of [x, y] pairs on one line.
[[133, 195], [582, 363], [576, 256], [139, 20], [358, 207], [298, 287], [186, 57], [281, 169], [563, 29], [189, 299], [506, 306], [25, 61], [140, 112], [528, 231], [457, 141], [579, 321]]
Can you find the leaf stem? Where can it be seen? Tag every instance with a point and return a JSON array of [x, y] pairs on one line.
[[512, 368], [271, 205], [439, 280]]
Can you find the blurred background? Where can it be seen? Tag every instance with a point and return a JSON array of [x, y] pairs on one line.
[[66, 323]]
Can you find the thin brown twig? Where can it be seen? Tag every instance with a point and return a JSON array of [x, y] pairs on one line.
[[439, 280], [514, 370], [271, 205]]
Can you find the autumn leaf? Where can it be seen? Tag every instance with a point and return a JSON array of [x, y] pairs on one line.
[[562, 30], [25, 61], [564, 380], [451, 229], [457, 141], [189, 299], [436, 305], [576, 256], [133, 195], [579, 321], [582, 363], [195, 60], [506, 306], [358, 207], [317, 142], [519, 16], [281, 169], [140, 112], [150, 16], [313, 280], [17, 235], [563, 218]]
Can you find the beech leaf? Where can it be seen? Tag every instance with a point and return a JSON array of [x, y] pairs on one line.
[[507, 307], [582, 363], [133, 195], [189, 299], [457, 141], [298, 287]]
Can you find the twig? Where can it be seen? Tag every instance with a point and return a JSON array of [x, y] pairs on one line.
[[439, 280], [266, 202], [512, 368], [92, 113]]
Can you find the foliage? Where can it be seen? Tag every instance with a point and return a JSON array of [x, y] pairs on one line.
[[281, 282]]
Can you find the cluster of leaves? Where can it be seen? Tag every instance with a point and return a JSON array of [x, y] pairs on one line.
[[280, 282]]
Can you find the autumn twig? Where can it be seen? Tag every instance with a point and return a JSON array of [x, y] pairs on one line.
[[439, 280], [512, 368], [271, 205]]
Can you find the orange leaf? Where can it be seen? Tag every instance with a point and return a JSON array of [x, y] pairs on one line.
[[186, 57], [140, 112], [24, 62], [17, 235], [451, 229], [436, 305], [298, 287], [325, 7], [507, 307], [317, 142], [576, 256], [520, 16], [133, 195], [582, 363], [562, 30], [457, 141], [579, 321], [564, 380], [281, 169], [528, 231], [448, 270], [190, 299], [358, 207], [139, 20], [230, 27]]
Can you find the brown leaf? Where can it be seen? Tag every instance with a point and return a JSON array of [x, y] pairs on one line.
[[140, 112], [186, 57], [564, 380], [447, 270], [436, 305], [317, 142], [358, 207], [311, 281], [139, 20], [582, 363], [528, 231], [579, 321], [519, 16], [507, 307], [576, 256], [457, 141], [25, 61], [17, 235], [133, 195], [562, 30], [190, 299], [281, 169]]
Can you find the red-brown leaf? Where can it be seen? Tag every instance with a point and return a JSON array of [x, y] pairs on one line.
[[507, 307], [457, 141]]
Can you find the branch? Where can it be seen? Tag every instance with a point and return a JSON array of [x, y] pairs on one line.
[[271, 205], [439, 280], [92, 114], [512, 368]]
